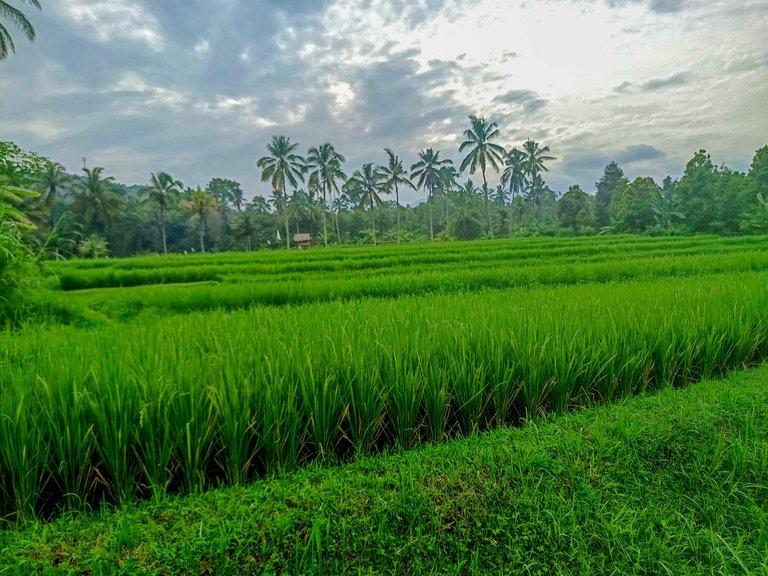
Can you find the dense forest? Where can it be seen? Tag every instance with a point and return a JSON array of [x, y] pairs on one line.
[[91, 215]]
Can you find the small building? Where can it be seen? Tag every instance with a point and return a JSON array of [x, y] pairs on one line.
[[302, 240]]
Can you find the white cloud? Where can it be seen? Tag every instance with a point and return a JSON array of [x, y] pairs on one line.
[[202, 48], [133, 83], [107, 20]]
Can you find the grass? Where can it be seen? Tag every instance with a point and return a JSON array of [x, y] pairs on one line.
[[670, 483]]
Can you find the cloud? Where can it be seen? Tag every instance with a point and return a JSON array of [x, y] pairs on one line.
[[748, 62], [657, 6], [106, 20], [638, 153], [677, 79], [527, 100], [667, 6], [633, 159], [654, 84]]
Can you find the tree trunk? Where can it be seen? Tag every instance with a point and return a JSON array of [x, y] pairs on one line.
[[202, 233], [287, 223], [431, 227], [373, 222], [325, 227], [162, 229], [397, 202], [487, 206]]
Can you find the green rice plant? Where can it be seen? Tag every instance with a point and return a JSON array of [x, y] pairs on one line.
[[238, 414], [153, 441], [114, 414], [192, 416], [23, 460], [69, 428], [364, 412], [284, 431], [322, 401], [403, 388], [437, 400]]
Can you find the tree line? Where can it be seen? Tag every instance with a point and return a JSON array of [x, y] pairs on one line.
[[92, 215]]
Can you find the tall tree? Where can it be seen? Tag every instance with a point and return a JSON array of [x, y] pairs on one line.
[[200, 203], [163, 189], [52, 180], [632, 205], [464, 222], [426, 172], [394, 175], [612, 178], [574, 209], [17, 17], [482, 153], [368, 183], [227, 192], [666, 206], [697, 191], [95, 200], [534, 165], [281, 167], [325, 166], [514, 172]]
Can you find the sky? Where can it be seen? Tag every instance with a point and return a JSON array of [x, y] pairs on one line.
[[197, 88]]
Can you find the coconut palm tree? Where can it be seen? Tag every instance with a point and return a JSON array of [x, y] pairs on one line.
[[199, 203], [533, 165], [483, 153], [325, 162], [162, 190], [427, 174], [513, 175], [95, 200], [281, 167], [8, 12], [368, 183], [394, 175], [53, 178]]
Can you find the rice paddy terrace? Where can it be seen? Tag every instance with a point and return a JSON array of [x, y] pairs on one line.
[[177, 374]]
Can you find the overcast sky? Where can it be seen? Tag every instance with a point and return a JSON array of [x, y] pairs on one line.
[[196, 88]]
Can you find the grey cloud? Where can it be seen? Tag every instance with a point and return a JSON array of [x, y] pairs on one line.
[[677, 79], [638, 153], [748, 62], [527, 100], [654, 84], [393, 96], [658, 6], [667, 6], [581, 165]]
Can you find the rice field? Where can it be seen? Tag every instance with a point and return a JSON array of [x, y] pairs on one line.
[[192, 372]]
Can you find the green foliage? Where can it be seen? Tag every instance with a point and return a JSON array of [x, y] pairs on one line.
[[575, 210], [93, 246], [9, 12], [19, 167], [612, 178], [17, 266], [632, 205], [282, 167], [200, 204]]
